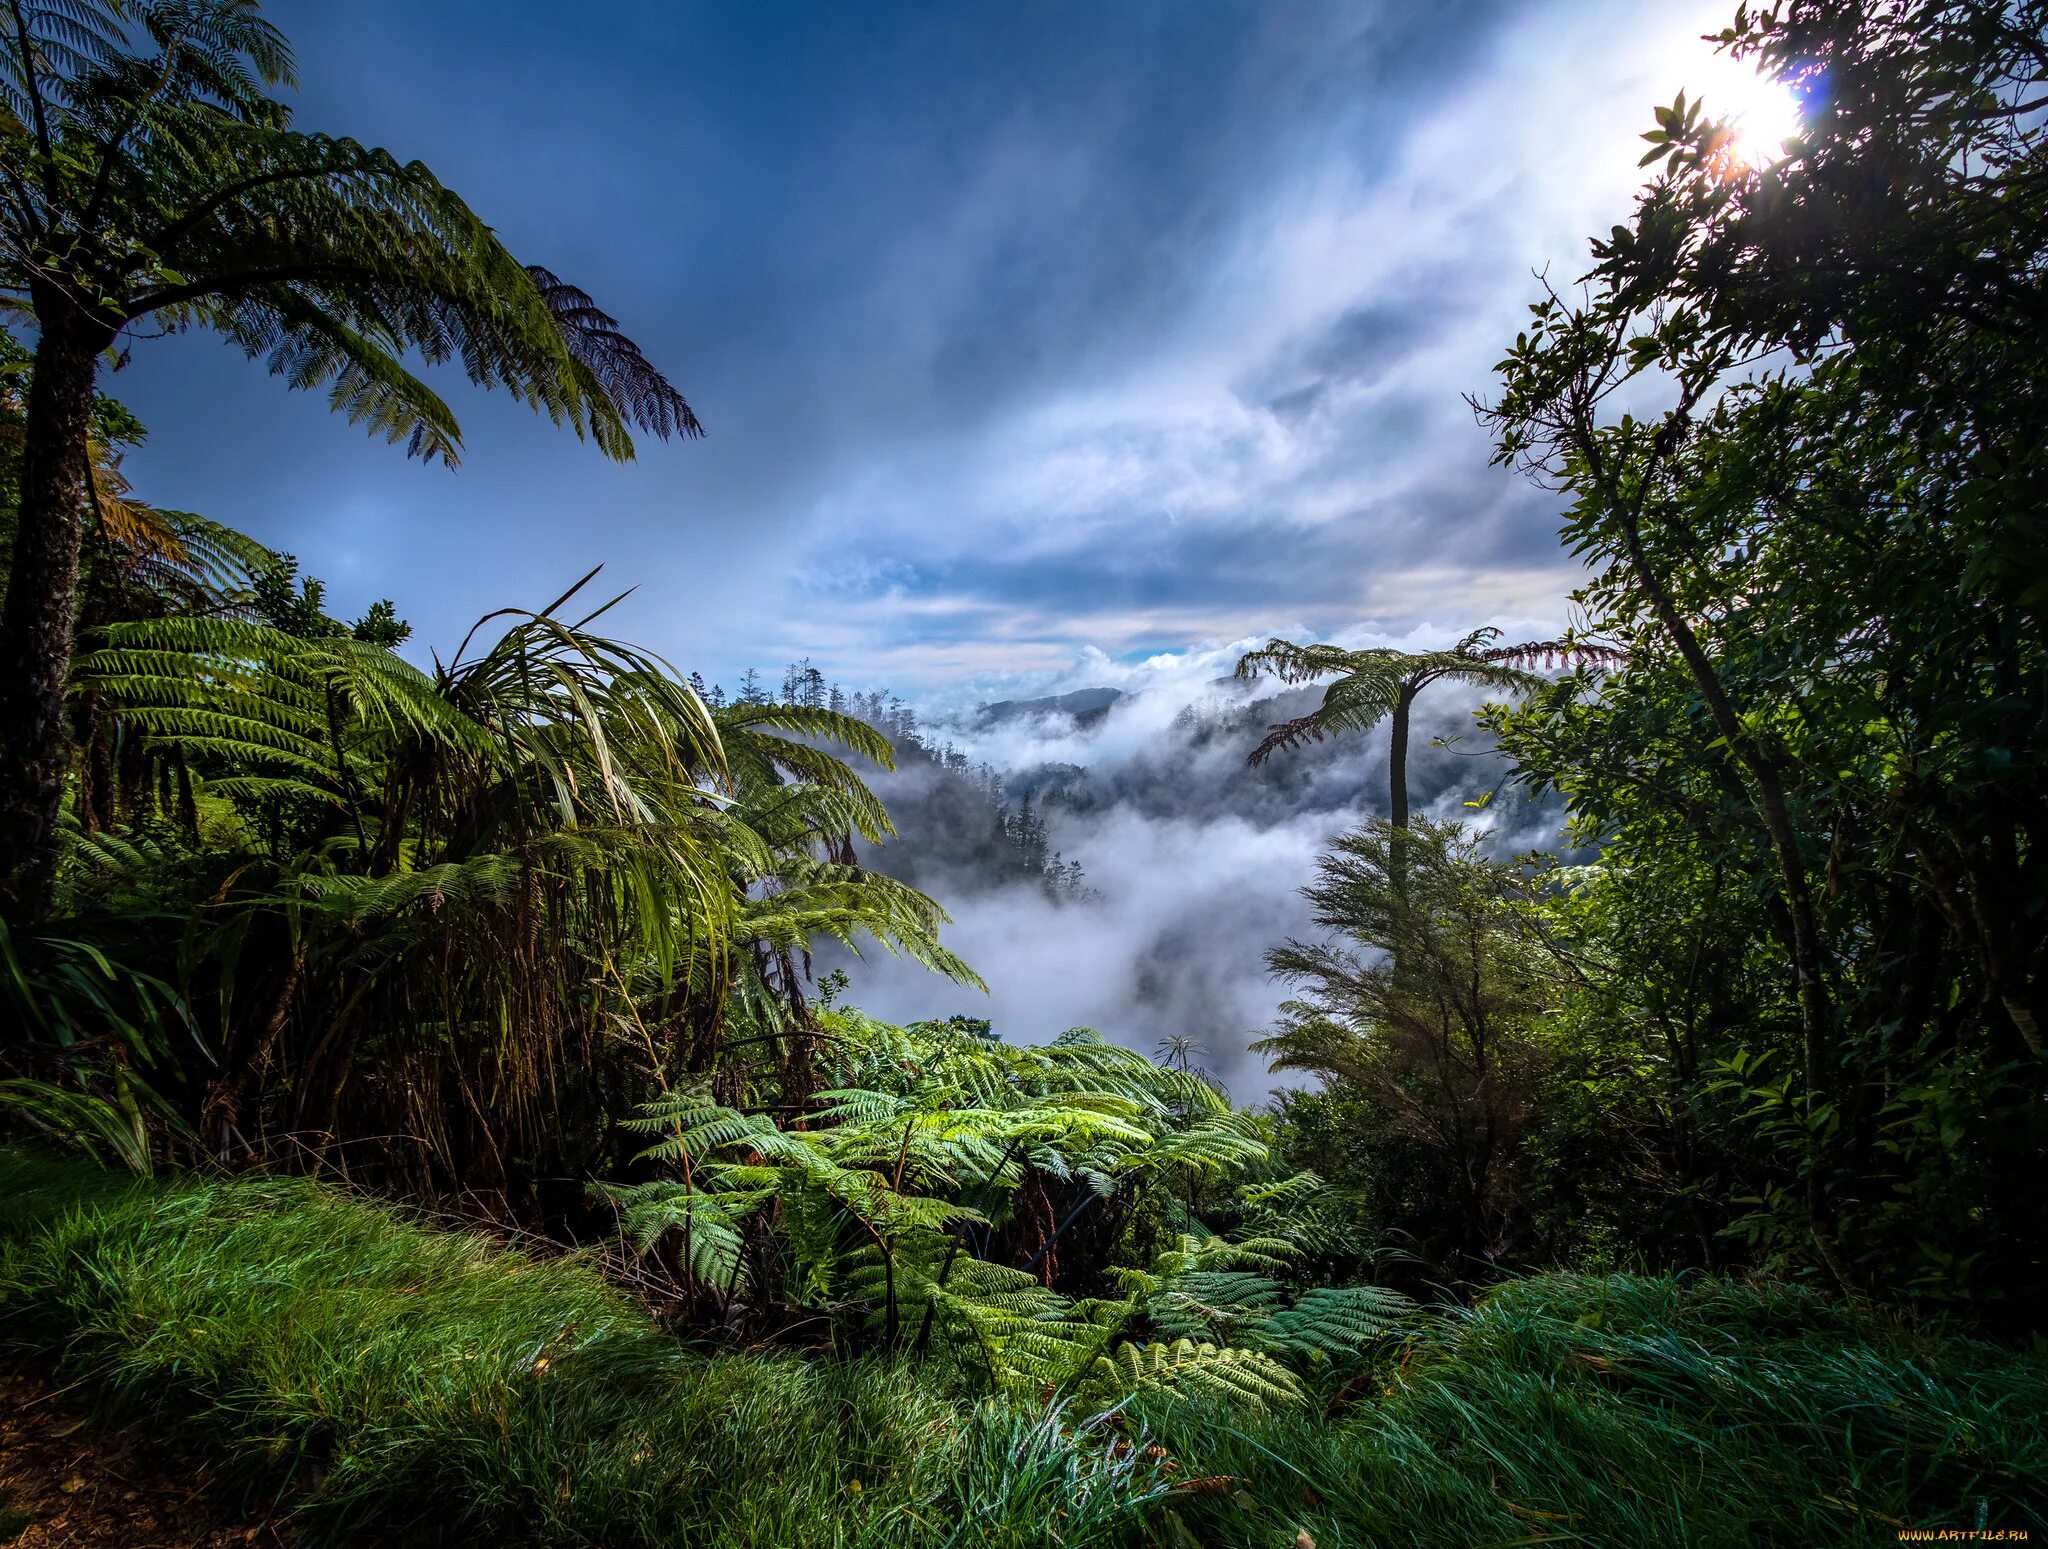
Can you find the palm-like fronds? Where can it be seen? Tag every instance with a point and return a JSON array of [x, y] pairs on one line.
[[879, 1193], [551, 798], [815, 901], [1218, 1145], [543, 838], [1243, 1378], [1373, 684], [329, 259], [625, 375], [152, 180], [552, 730], [1381, 684], [70, 1010], [706, 1222], [1332, 1322]]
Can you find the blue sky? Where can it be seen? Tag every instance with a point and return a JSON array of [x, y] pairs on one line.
[[1025, 335]]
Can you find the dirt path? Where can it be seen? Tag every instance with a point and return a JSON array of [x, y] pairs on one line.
[[66, 1483]]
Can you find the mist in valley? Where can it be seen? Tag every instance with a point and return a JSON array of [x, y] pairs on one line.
[[1191, 861]]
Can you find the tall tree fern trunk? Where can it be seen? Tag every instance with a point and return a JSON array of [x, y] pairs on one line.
[[1397, 760], [1397, 805], [41, 614], [1397, 786]]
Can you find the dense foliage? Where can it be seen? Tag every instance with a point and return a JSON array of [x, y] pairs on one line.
[[152, 179], [901, 1197], [477, 908], [1787, 1011], [528, 933]]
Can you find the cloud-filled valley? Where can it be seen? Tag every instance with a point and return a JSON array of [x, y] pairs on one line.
[[1193, 860]]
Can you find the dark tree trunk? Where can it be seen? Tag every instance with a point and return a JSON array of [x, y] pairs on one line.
[[1397, 800], [1397, 759], [244, 1057], [41, 614]]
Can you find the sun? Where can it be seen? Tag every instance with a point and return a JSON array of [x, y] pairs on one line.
[[1763, 113]]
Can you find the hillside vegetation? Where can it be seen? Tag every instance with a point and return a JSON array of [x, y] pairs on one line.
[[1677, 1184]]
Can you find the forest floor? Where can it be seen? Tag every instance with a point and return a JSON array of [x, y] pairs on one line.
[[430, 1386], [67, 1482]]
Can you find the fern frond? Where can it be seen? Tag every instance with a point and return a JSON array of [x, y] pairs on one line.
[[1332, 1322], [1185, 1368], [705, 1223]]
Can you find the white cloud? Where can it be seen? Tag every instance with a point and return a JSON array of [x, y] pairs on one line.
[[1198, 861], [1145, 455]]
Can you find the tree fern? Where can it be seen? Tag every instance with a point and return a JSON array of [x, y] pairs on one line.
[[157, 182], [1214, 1304], [815, 901], [1382, 683], [1331, 1322], [705, 1222], [882, 1195]]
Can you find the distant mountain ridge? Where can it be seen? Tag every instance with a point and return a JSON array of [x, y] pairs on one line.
[[1084, 705]]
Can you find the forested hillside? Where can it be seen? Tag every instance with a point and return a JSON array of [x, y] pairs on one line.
[[437, 1091], [956, 820]]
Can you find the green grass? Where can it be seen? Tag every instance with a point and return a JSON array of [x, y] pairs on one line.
[[425, 1383], [387, 1376], [1638, 1410]]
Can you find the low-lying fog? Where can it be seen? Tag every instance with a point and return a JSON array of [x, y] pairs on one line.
[[1196, 858]]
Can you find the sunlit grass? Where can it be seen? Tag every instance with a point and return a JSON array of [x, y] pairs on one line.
[[398, 1378], [389, 1377], [1626, 1409]]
